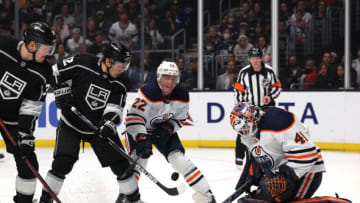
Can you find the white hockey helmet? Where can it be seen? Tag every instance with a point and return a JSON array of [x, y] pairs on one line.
[[167, 68]]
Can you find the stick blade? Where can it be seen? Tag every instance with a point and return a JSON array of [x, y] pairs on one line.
[[181, 188]]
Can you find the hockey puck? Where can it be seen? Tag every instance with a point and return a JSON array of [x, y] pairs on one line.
[[1, 156], [175, 176]]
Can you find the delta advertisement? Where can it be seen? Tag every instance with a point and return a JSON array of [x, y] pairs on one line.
[[332, 117]]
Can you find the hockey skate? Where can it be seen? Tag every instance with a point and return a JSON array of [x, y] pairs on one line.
[[208, 197], [122, 199], [45, 198], [239, 162]]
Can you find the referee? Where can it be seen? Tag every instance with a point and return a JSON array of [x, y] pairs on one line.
[[256, 84]]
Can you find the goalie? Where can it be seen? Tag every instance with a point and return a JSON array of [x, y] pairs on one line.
[[285, 164]]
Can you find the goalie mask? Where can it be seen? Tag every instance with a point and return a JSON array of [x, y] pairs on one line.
[[244, 119]]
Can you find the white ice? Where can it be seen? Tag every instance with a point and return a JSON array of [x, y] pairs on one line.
[[89, 183]]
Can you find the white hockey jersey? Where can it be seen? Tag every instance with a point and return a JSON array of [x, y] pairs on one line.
[[283, 139], [150, 109]]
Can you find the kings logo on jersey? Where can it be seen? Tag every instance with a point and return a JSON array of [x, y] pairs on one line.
[[11, 86], [262, 157], [97, 97]]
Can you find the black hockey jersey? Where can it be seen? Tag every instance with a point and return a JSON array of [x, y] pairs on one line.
[[95, 94], [22, 86]]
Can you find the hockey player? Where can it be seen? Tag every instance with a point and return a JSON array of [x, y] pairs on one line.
[[155, 117], [24, 74], [285, 164], [97, 88]]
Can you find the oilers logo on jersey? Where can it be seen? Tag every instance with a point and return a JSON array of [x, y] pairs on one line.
[[161, 119], [11, 86], [97, 97], [262, 157]]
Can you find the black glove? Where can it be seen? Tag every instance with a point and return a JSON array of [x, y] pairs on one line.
[[163, 133], [143, 145], [63, 96], [107, 129], [26, 145]]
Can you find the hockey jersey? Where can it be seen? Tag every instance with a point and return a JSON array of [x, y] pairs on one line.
[[283, 139], [23, 86], [94, 93], [150, 108]]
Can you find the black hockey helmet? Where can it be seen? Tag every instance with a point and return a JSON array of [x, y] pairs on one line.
[[117, 52], [40, 33], [255, 52]]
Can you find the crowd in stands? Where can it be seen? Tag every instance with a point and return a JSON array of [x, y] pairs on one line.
[[247, 24]]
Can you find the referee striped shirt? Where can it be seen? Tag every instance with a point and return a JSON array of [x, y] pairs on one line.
[[252, 86]]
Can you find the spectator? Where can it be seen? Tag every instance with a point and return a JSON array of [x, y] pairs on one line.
[[308, 78], [339, 77], [292, 74], [244, 12], [241, 49], [65, 13], [230, 24], [323, 80], [193, 79], [61, 28], [167, 25], [226, 81], [133, 10], [78, 14], [96, 47], [61, 53], [134, 74], [267, 60], [91, 29], [214, 39], [110, 12], [356, 67], [154, 11], [74, 43], [123, 31], [149, 70], [243, 29], [284, 13], [101, 24], [303, 14], [156, 38], [264, 46], [227, 43], [298, 31], [184, 75]]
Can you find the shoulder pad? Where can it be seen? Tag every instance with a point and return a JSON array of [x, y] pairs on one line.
[[276, 120], [151, 91], [180, 94]]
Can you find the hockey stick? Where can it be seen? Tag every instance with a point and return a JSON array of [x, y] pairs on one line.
[[171, 191], [238, 192], [31, 167]]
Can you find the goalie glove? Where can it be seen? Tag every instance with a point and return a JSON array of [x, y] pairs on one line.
[[280, 187]]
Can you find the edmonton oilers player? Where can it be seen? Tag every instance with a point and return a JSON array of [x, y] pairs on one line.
[[155, 117], [97, 88], [24, 74], [285, 164]]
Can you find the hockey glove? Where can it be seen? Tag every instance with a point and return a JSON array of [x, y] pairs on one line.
[[143, 145], [63, 96], [279, 188], [26, 145], [252, 171], [107, 129], [163, 133]]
